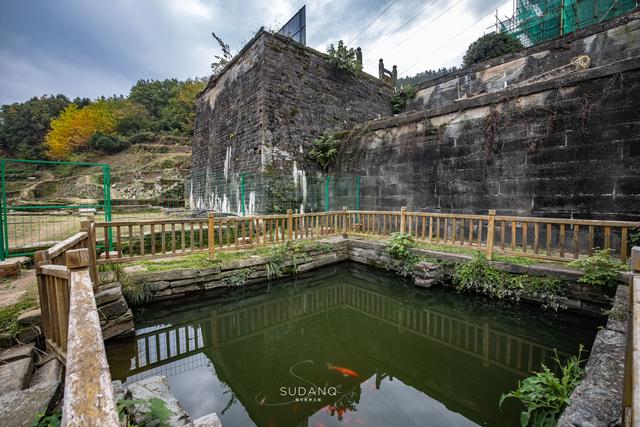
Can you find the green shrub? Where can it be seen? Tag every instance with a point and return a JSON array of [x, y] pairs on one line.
[[157, 414], [108, 144], [399, 249], [142, 137], [399, 99], [324, 150], [238, 278], [544, 395], [491, 46], [479, 276], [343, 58], [600, 269]]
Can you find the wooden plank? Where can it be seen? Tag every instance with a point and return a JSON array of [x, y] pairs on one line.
[[119, 242], [200, 235], [424, 227], [141, 240], [503, 226], [590, 244], [607, 237], [183, 245], [536, 237], [623, 244], [462, 231], [576, 241], [453, 231], [479, 233], [131, 241], [548, 239], [514, 231], [173, 238], [192, 237], [471, 232], [163, 238], [152, 239], [438, 230], [561, 242], [524, 236]]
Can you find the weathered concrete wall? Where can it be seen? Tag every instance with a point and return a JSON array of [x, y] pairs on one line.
[[267, 108], [604, 44], [565, 147]]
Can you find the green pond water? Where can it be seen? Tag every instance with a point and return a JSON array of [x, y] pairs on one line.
[[345, 346]]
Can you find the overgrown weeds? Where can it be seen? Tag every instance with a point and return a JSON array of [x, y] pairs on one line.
[[400, 250], [600, 269], [134, 293], [544, 394], [9, 326], [479, 276]]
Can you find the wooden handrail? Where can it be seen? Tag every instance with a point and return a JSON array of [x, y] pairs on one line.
[[631, 394], [88, 394]]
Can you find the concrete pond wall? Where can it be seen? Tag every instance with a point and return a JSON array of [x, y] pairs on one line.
[[597, 400]]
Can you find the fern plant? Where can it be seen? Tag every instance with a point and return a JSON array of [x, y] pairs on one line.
[[545, 395]]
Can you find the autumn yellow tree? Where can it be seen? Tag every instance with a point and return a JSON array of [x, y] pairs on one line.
[[73, 128]]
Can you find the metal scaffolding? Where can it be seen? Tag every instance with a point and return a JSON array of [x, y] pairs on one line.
[[537, 21]]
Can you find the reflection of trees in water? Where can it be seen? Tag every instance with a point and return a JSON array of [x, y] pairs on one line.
[[346, 402], [232, 401]]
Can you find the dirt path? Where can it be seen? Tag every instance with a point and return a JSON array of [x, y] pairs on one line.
[[12, 290]]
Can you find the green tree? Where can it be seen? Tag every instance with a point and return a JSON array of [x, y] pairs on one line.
[[343, 58], [180, 111], [23, 126], [490, 46], [154, 95]]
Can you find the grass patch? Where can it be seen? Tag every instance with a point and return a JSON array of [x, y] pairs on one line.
[[9, 326]]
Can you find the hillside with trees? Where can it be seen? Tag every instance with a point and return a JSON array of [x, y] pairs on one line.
[[53, 127]]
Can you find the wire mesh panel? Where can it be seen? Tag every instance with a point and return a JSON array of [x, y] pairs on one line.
[[44, 202], [537, 21], [270, 192]]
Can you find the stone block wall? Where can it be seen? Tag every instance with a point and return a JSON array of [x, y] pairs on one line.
[[267, 108], [564, 147], [603, 44]]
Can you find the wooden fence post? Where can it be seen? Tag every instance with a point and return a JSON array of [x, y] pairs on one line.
[[211, 235], [345, 219], [290, 226], [403, 219], [88, 225], [491, 223]]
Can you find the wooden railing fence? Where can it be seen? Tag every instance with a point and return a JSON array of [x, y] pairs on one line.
[[66, 275], [542, 238], [67, 272], [631, 394]]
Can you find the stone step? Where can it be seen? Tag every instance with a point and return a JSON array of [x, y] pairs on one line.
[[11, 267]]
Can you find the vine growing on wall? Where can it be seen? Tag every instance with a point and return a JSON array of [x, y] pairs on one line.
[[400, 98], [325, 149], [489, 127]]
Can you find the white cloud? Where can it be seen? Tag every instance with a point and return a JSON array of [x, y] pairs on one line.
[[95, 48]]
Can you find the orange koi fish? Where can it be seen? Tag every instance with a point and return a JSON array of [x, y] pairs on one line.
[[344, 371]]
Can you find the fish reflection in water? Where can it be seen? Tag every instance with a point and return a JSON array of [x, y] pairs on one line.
[[346, 372]]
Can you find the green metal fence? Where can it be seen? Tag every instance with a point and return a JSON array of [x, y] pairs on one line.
[[537, 21], [271, 192], [43, 202]]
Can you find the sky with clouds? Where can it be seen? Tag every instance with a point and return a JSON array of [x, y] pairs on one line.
[[90, 48]]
